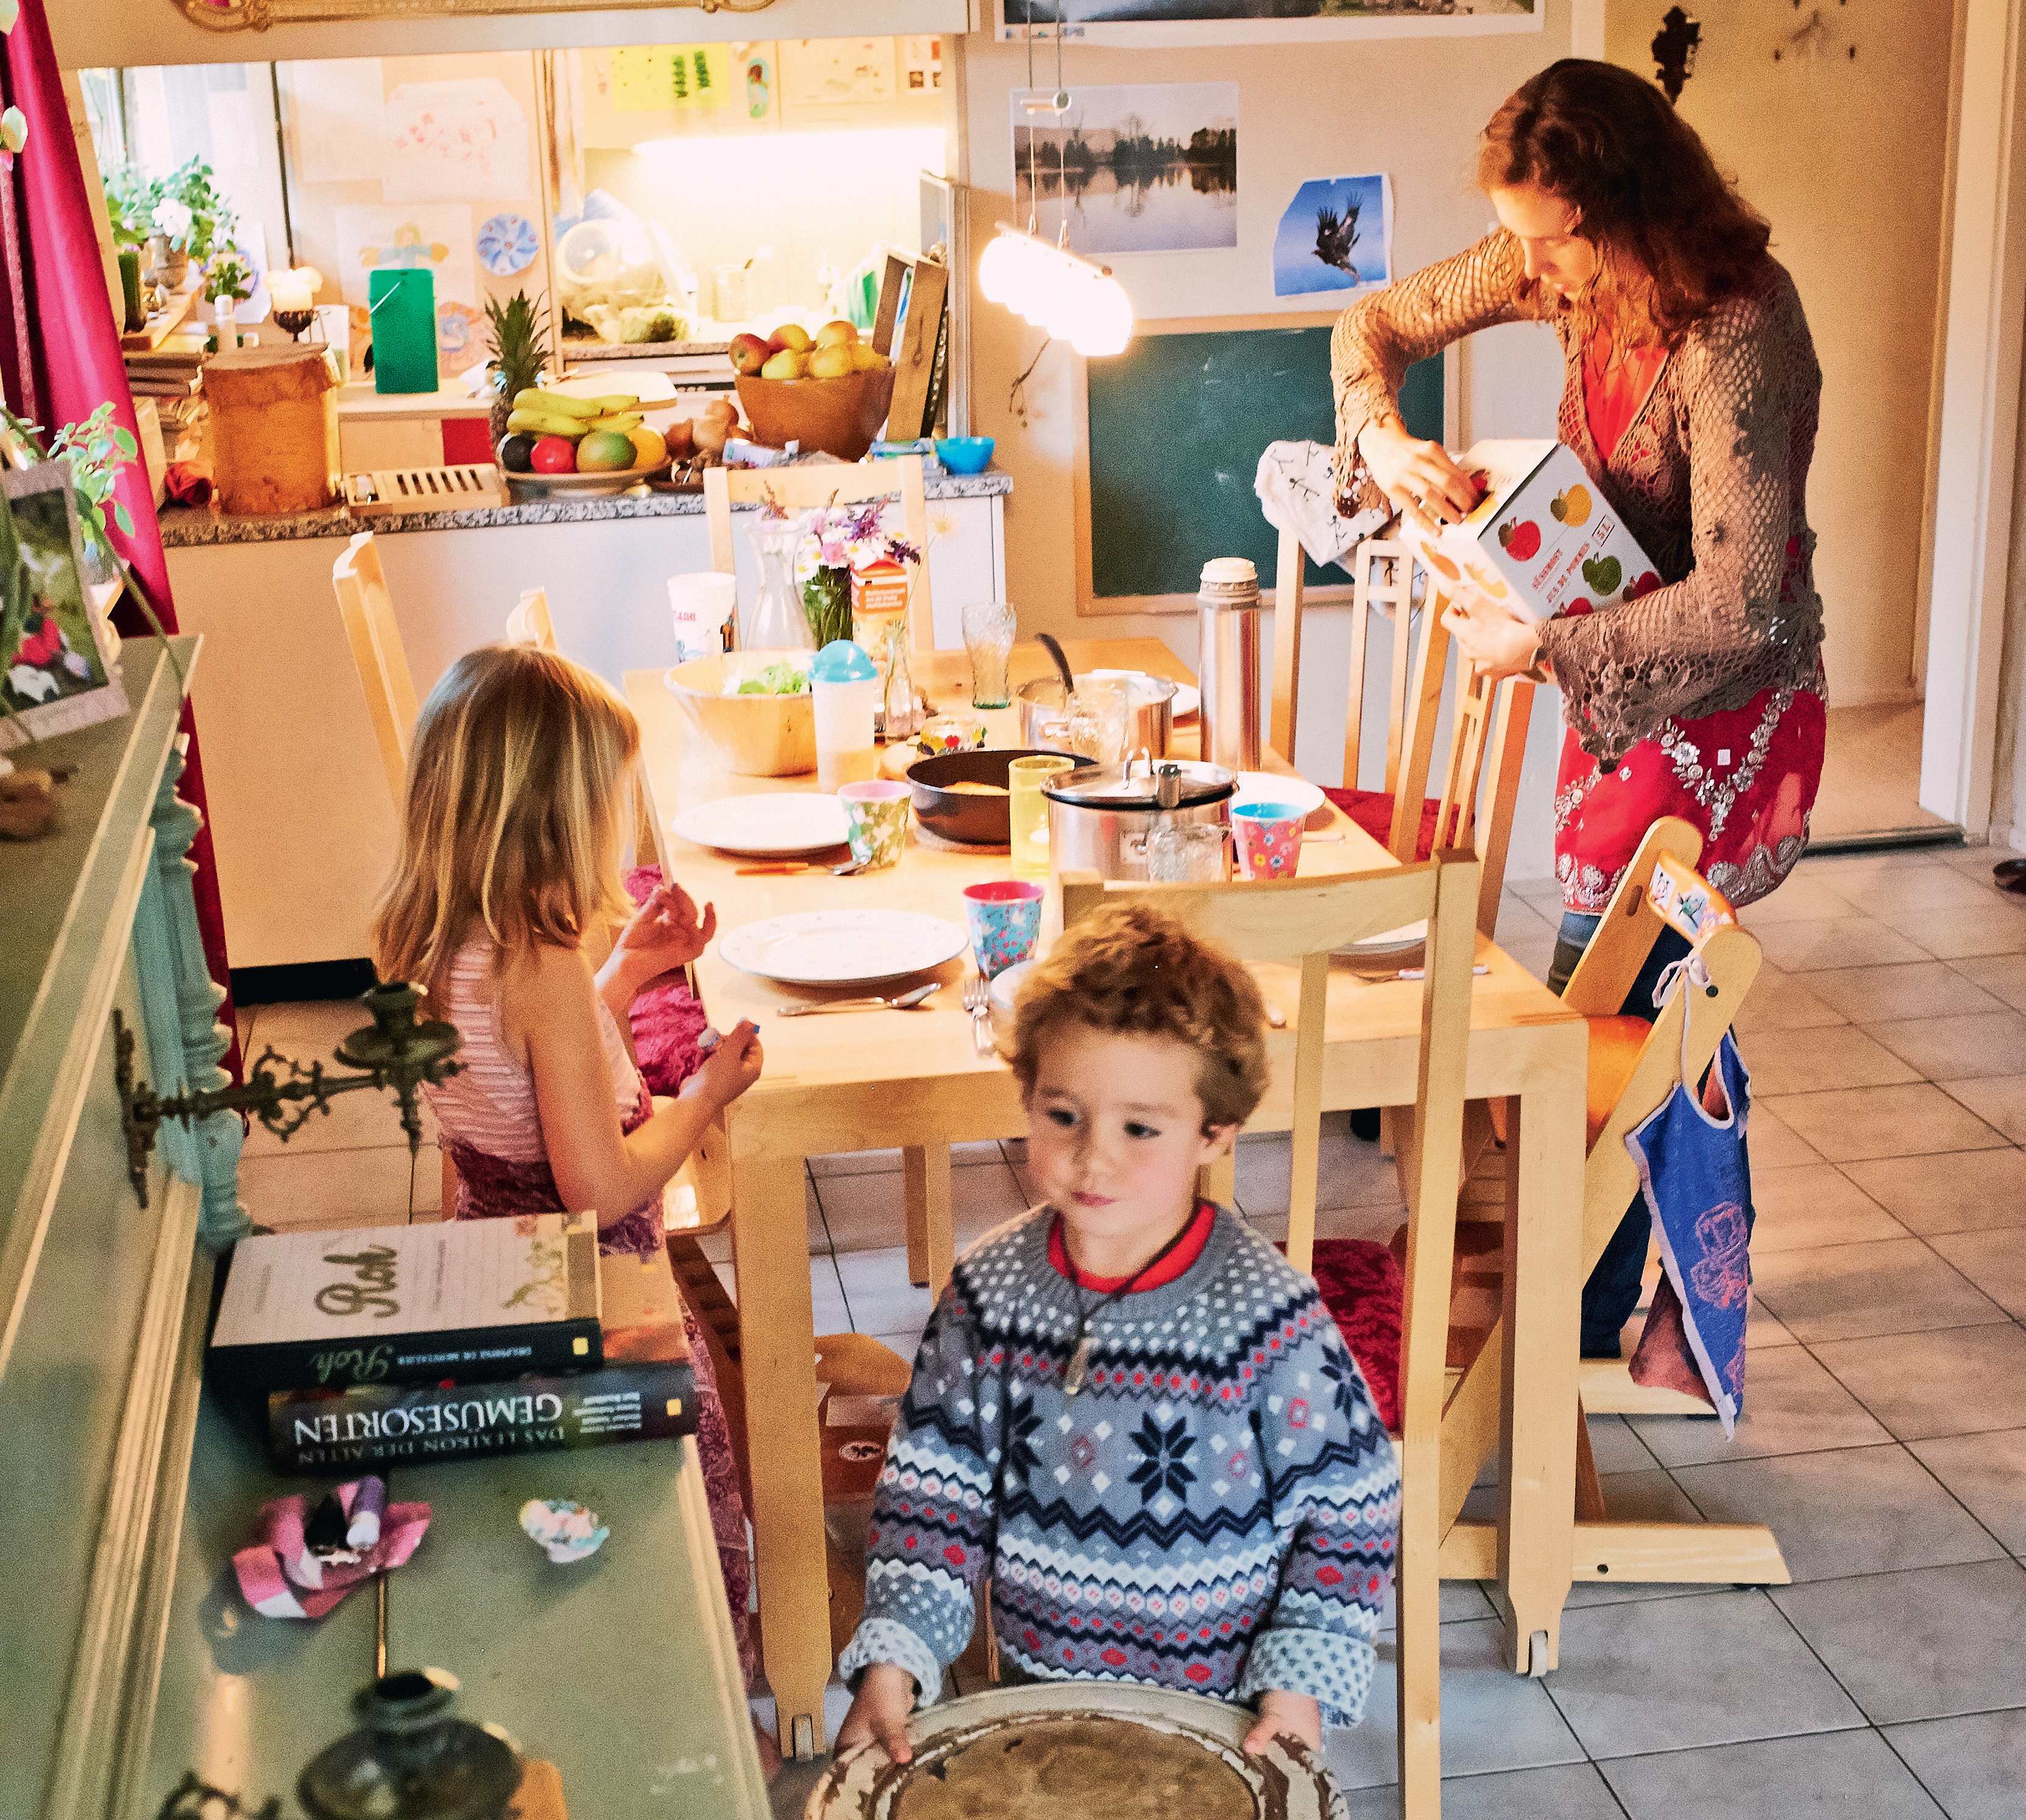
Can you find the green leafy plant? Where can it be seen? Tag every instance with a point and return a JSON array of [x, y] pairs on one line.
[[210, 219], [227, 277], [129, 201], [96, 449]]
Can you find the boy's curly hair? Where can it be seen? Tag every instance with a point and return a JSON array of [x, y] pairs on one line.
[[1129, 970]]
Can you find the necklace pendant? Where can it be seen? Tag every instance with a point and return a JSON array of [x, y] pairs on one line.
[[1073, 1379]]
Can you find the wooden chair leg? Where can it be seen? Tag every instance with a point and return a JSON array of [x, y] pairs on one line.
[[1590, 1494], [924, 1181]]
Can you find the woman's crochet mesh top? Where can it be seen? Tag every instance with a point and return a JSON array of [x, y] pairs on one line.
[[1710, 476]]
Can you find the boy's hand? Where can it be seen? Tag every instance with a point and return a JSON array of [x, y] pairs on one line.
[[663, 934], [731, 1068], [879, 1712], [1294, 1714]]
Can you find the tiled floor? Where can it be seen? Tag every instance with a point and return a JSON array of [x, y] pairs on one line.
[[1884, 1436]]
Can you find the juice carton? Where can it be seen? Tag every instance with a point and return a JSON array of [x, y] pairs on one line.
[[1541, 538]]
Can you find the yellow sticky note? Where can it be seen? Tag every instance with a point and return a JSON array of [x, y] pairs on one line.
[[580, 1346], [642, 78], [675, 1406]]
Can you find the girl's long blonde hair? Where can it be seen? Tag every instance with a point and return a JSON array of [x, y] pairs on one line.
[[519, 777]]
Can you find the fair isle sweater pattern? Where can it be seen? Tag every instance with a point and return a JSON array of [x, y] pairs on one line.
[[1216, 1511]]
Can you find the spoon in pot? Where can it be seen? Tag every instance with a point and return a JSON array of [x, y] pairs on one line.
[[1052, 646]]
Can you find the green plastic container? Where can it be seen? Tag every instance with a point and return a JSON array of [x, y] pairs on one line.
[[402, 301]]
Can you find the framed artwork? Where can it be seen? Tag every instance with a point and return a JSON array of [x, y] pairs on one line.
[[1144, 23], [56, 672]]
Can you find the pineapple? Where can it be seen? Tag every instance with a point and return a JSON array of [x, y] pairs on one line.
[[518, 355]]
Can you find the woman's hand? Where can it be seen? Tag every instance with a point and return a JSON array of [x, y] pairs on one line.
[[879, 1712], [1419, 478], [663, 934], [1296, 1714], [731, 1068], [1497, 645]]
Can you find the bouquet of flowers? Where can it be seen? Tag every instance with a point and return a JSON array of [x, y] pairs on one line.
[[841, 540]]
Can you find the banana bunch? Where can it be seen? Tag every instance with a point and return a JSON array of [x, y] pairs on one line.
[[539, 413]]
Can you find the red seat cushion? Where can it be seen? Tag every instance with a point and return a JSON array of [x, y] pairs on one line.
[[1363, 1291], [1373, 811]]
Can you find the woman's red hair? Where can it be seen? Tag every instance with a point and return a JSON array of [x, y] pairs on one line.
[[1675, 236]]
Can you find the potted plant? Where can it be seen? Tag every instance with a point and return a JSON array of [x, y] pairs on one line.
[[191, 220], [518, 354], [228, 283]]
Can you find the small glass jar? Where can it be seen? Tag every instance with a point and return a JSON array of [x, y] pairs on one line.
[[951, 733]]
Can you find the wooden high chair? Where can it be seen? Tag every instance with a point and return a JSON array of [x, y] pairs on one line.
[[808, 487], [529, 623], [1632, 1071], [368, 609], [1302, 920]]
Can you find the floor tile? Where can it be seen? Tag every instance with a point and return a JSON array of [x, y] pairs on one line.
[[1957, 1638], [1816, 1204], [1764, 1330], [1860, 1122], [1922, 1385], [1615, 1448], [1536, 953], [1975, 1765], [1995, 1261], [1850, 1291], [1492, 1718], [1959, 1048], [1999, 1102], [1670, 1674], [1813, 943], [1836, 1773], [2003, 975], [1808, 1500], [1918, 989], [311, 1029], [1782, 1001], [309, 1191], [1958, 1193], [1544, 894], [1350, 1173], [1813, 1061], [1802, 894], [881, 1298], [1568, 1792], [1998, 927], [1792, 1405], [1988, 1473], [1775, 1144], [1909, 890], [425, 1183]]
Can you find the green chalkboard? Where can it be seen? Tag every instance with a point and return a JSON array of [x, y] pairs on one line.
[[1177, 425]]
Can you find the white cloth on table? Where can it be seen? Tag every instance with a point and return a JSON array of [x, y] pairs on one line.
[[1298, 493]]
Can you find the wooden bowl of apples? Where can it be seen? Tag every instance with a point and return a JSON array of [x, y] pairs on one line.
[[830, 391]]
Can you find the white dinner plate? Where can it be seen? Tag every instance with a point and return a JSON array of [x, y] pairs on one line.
[[842, 947], [787, 821], [1186, 702], [1390, 949], [1267, 786]]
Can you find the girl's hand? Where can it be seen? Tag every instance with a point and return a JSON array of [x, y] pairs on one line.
[[1497, 645], [732, 1067], [879, 1712], [663, 934], [1419, 478], [1294, 1714]]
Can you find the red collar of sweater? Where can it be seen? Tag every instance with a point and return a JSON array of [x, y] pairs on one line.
[[1184, 1254]]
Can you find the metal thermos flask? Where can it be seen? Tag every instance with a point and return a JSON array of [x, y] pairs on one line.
[[1228, 662]]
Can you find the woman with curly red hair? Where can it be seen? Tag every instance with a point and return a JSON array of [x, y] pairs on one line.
[[1691, 395]]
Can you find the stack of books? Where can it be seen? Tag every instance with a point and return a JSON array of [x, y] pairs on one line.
[[174, 369], [409, 1345]]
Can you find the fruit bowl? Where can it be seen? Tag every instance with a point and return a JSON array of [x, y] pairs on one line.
[[839, 416], [754, 736], [593, 486]]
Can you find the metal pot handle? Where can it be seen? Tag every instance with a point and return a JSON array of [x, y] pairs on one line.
[[1144, 752]]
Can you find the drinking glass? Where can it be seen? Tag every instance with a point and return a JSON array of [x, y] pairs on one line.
[[1028, 809], [1098, 720], [987, 636], [1189, 853]]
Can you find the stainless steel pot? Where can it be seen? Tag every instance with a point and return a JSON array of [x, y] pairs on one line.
[[1149, 712], [1099, 820]]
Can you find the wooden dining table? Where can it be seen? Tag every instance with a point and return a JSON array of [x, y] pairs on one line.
[[879, 1079]]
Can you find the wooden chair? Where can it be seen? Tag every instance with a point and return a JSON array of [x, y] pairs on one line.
[[807, 487], [367, 609], [1301, 920], [529, 623], [1632, 1070]]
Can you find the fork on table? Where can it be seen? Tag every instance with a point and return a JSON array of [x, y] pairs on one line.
[[978, 1001]]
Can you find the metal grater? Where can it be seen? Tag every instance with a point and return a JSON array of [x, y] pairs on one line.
[[386, 490]]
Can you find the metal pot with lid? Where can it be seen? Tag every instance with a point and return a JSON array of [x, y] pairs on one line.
[[1099, 819]]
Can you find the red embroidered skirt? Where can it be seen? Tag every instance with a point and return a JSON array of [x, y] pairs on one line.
[[1746, 778]]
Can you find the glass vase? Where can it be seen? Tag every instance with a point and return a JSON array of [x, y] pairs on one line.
[[777, 622], [827, 598], [903, 718]]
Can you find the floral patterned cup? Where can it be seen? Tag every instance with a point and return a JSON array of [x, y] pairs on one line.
[[1005, 917], [876, 812], [1268, 836]]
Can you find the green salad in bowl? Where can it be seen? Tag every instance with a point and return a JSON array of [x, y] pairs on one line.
[[779, 678]]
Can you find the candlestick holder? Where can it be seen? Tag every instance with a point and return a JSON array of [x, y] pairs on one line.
[[294, 321]]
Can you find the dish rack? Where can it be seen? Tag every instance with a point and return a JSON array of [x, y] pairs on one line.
[[446, 489]]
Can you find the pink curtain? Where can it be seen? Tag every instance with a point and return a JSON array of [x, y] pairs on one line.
[[71, 365]]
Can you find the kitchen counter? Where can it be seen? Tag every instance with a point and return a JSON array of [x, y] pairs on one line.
[[184, 528]]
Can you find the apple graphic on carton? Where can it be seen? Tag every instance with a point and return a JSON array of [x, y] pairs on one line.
[[1520, 539]]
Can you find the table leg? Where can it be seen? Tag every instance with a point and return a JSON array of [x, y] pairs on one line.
[[777, 1336], [1543, 1288], [925, 1180]]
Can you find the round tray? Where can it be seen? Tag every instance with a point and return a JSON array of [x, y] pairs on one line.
[[1285, 1781], [583, 486]]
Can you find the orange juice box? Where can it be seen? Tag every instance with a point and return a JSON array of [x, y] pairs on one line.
[[1543, 539]]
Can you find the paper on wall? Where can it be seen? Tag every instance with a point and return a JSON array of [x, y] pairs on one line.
[[456, 141], [233, 144], [655, 78], [337, 109], [435, 236], [1336, 235], [836, 71]]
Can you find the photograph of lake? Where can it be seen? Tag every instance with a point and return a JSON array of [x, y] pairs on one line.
[[1017, 15], [1147, 167]]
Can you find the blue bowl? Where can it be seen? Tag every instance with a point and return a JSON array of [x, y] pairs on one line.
[[965, 454]]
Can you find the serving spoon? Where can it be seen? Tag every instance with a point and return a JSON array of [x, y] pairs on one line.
[[904, 1001]]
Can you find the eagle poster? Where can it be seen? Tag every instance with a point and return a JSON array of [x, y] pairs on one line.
[[1336, 235]]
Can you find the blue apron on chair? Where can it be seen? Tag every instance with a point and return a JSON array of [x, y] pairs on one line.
[[1693, 1172]]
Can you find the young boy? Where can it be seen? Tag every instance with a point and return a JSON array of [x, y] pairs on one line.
[[1128, 1409]]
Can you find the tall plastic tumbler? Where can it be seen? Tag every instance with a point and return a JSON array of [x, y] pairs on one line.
[[1029, 810], [846, 689]]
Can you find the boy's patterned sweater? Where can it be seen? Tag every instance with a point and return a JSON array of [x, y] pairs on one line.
[[1215, 1511]]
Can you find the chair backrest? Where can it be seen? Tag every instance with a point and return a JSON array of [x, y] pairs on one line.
[[529, 623], [804, 488], [367, 609]]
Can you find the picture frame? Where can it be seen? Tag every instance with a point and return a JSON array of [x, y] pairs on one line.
[[57, 671], [1146, 25]]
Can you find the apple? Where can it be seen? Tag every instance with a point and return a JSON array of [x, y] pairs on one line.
[[790, 335], [865, 358], [553, 454], [1644, 585], [680, 440], [831, 360], [836, 335], [1519, 539], [748, 353], [786, 364]]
